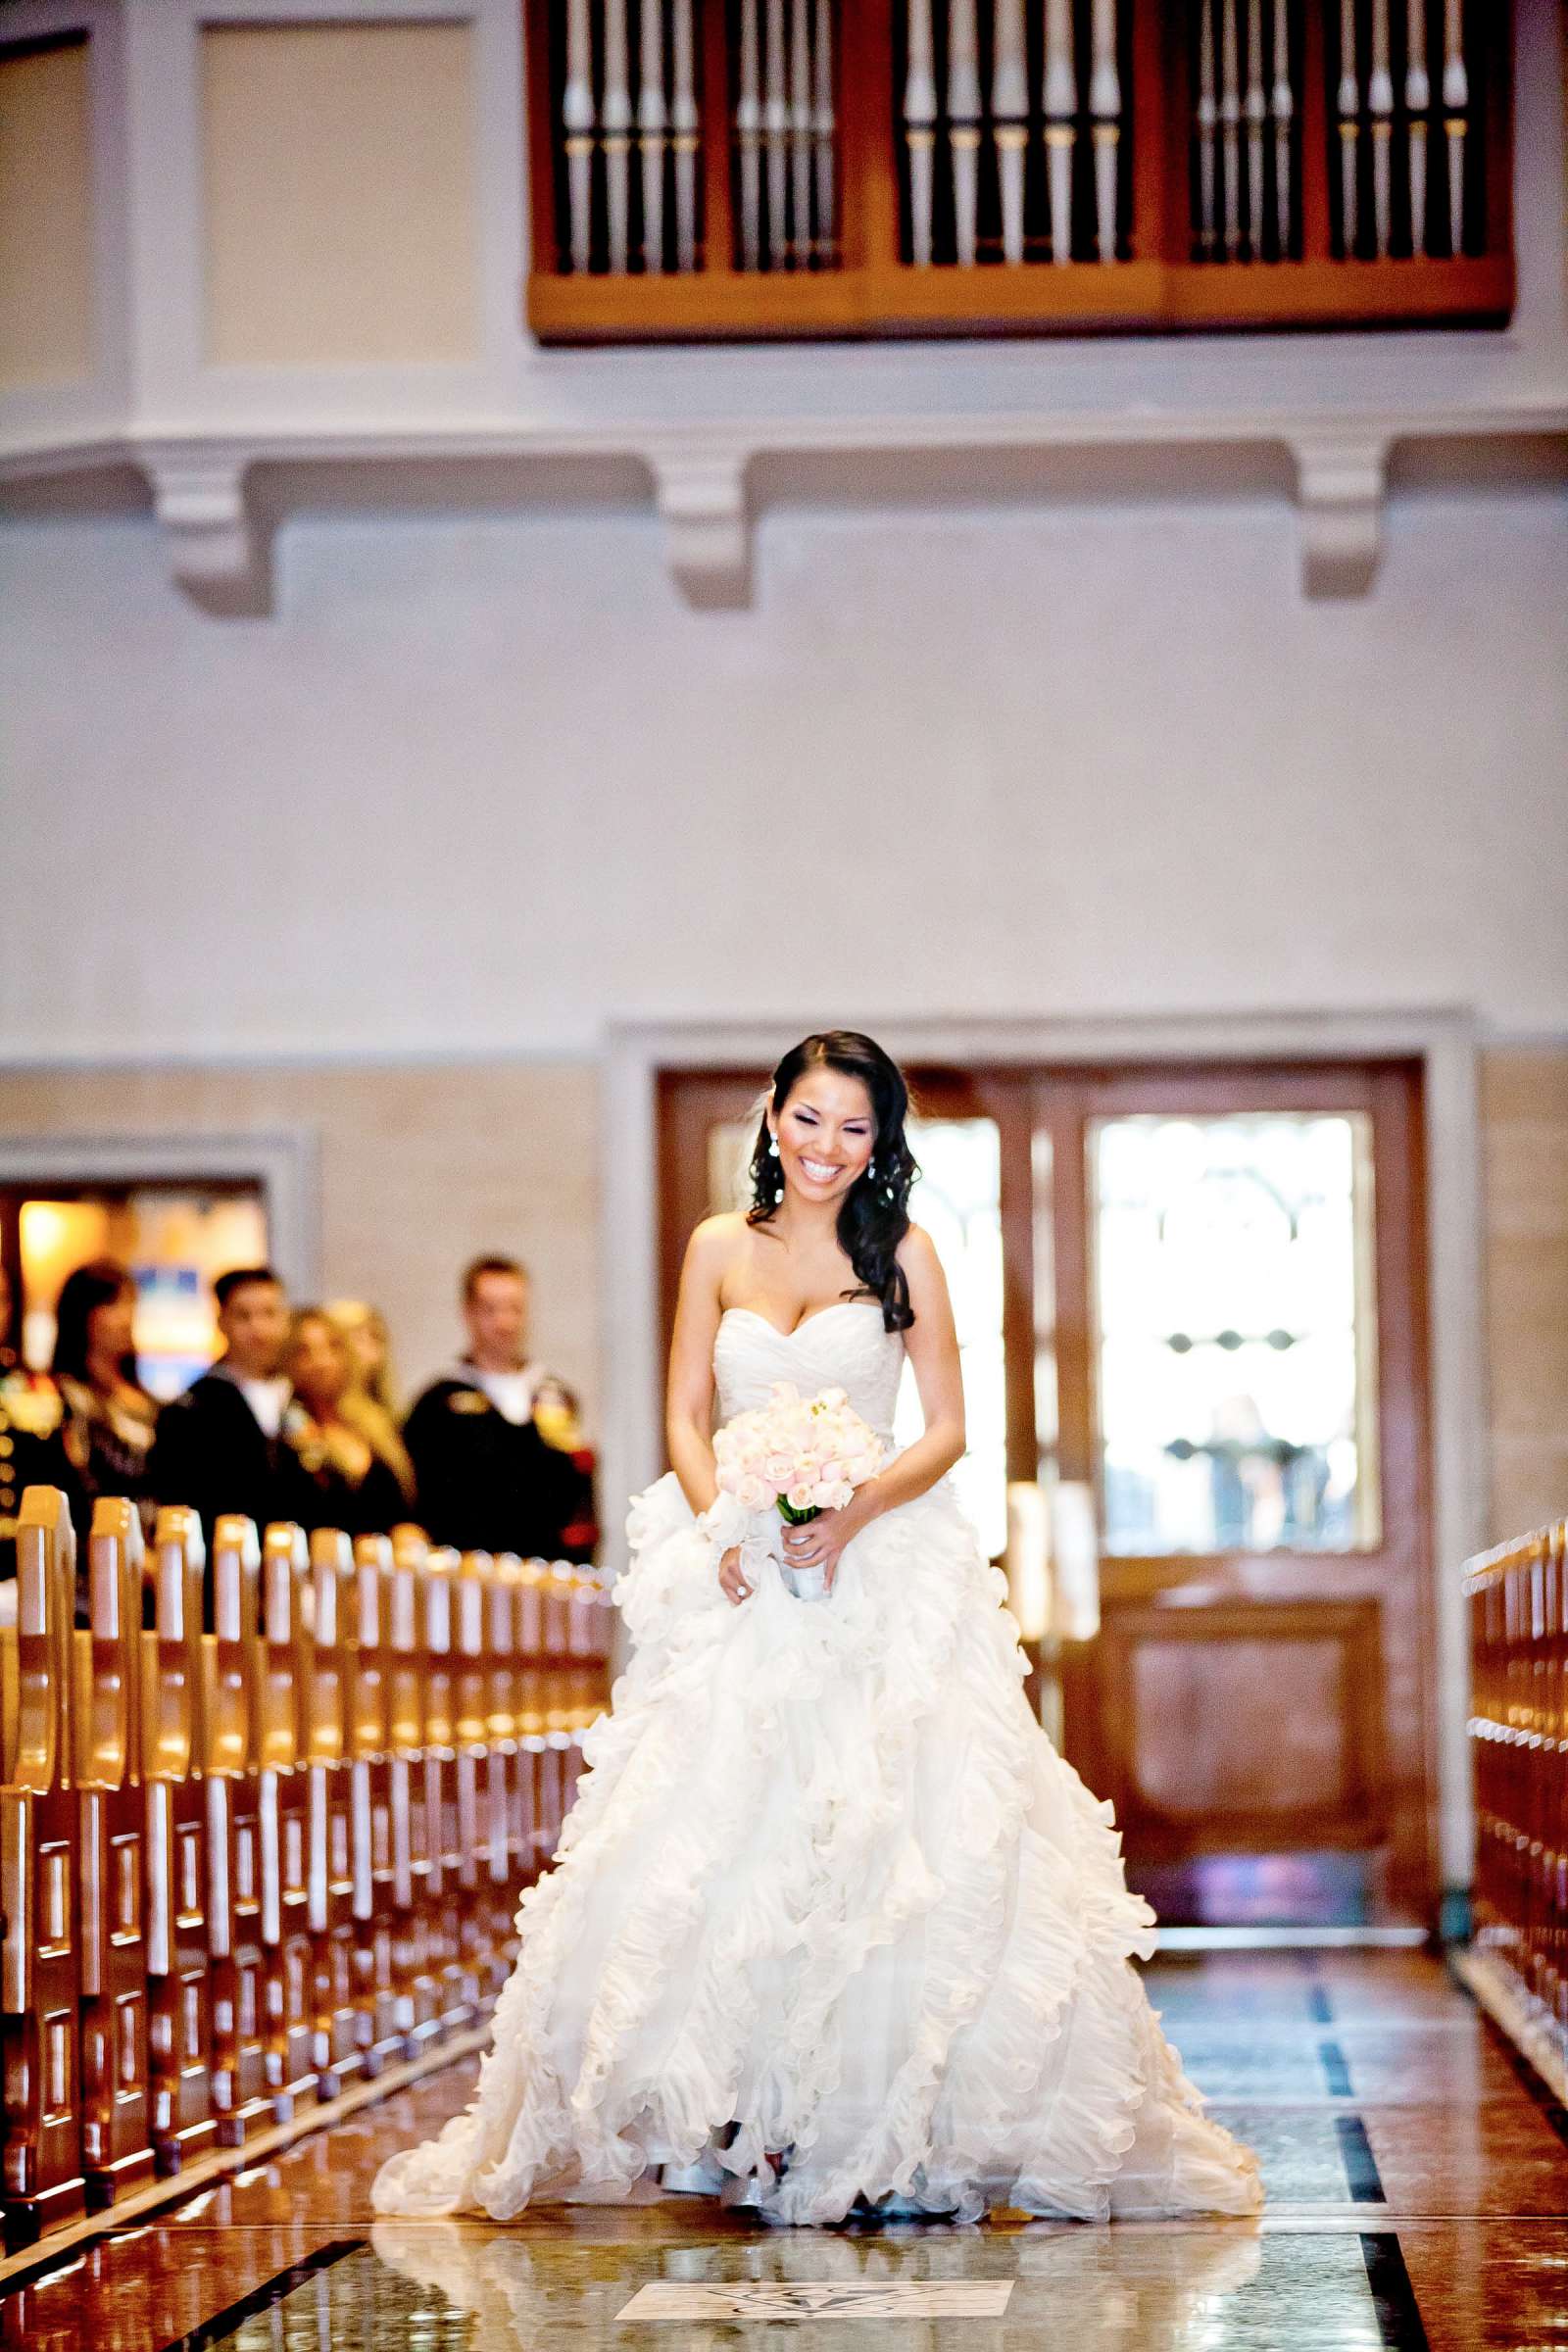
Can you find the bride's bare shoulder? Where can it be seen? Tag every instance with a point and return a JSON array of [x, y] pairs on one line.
[[715, 1243], [917, 1253]]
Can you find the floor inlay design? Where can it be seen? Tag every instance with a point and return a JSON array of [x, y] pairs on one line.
[[823, 2298], [1360, 2165], [1393, 2295]]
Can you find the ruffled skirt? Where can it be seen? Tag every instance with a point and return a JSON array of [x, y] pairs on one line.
[[829, 1891]]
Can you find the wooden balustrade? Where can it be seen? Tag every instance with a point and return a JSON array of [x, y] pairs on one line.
[[1518, 1603], [800, 168], [241, 1868]]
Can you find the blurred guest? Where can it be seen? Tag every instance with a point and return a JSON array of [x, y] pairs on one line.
[[108, 1418], [30, 1450], [354, 1488], [371, 1402], [498, 1456], [220, 1446]]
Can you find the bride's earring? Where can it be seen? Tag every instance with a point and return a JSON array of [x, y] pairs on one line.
[[871, 1167], [772, 1145]]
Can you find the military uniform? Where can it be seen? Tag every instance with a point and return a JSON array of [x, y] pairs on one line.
[[212, 1454], [31, 1451], [487, 1482], [106, 1440]]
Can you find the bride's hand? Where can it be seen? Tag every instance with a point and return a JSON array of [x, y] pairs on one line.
[[820, 1541], [732, 1583]]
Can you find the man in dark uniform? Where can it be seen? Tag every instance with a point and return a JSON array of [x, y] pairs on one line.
[[497, 1457], [222, 1446]]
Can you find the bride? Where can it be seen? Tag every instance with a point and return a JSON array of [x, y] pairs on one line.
[[831, 1926]]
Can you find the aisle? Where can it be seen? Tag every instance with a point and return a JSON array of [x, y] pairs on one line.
[[1417, 2193]]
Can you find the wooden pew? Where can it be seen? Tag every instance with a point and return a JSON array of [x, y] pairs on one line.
[[40, 2132], [284, 1805], [479, 1822], [560, 1700], [534, 1678], [414, 1836], [588, 1648], [117, 2144], [508, 1766], [238, 1868], [173, 1728], [337, 2047], [241, 2096], [458, 1994], [371, 1770], [1517, 1963]]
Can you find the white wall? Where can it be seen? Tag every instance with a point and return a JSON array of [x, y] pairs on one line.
[[482, 781]]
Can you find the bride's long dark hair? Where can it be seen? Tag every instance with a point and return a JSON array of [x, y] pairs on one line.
[[875, 1216]]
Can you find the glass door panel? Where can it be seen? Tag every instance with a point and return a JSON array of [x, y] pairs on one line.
[[956, 1198], [1235, 1328]]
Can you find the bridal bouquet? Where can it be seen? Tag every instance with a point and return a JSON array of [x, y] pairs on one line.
[[806, 1454]]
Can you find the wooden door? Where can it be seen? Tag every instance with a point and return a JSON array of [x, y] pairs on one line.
[[1191, 1304]]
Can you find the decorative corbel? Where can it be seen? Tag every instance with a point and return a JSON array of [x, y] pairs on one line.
[[217, 553], [702, 500], [1340, 481]]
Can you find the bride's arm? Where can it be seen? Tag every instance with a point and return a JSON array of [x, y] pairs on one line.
[[932, 1347], [689, 1394], [689, 1391]]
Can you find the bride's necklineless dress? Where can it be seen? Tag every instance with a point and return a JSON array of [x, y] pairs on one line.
[[828, 1889]]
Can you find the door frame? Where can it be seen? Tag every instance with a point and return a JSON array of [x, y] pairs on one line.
[[283, 1163], [1444, 1040]]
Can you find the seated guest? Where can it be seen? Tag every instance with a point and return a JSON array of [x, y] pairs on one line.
[[371, 1404], [498, 1458], [220, 1446], [30, 1450], [354, 1488], [108, 1418]]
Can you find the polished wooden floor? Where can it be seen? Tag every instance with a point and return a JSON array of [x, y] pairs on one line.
[[1418, 2193]]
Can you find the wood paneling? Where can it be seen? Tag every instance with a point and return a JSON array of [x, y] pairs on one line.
[[1204, 1753]]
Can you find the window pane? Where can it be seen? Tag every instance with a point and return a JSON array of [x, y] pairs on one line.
[[958, 1199], [1237, 1341], [175, 1242]]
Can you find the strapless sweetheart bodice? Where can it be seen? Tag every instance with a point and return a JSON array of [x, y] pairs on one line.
[[843, 1346]]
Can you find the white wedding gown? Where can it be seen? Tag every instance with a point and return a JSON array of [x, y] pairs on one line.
[[827, 1889]]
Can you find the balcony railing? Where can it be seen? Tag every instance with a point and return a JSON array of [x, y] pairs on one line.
[[798, 167]]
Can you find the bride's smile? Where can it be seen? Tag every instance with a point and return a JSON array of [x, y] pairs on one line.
[[826, 1134]]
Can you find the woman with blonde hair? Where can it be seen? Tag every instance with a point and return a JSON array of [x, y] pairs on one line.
[[370, 1402], [354, 1489]]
